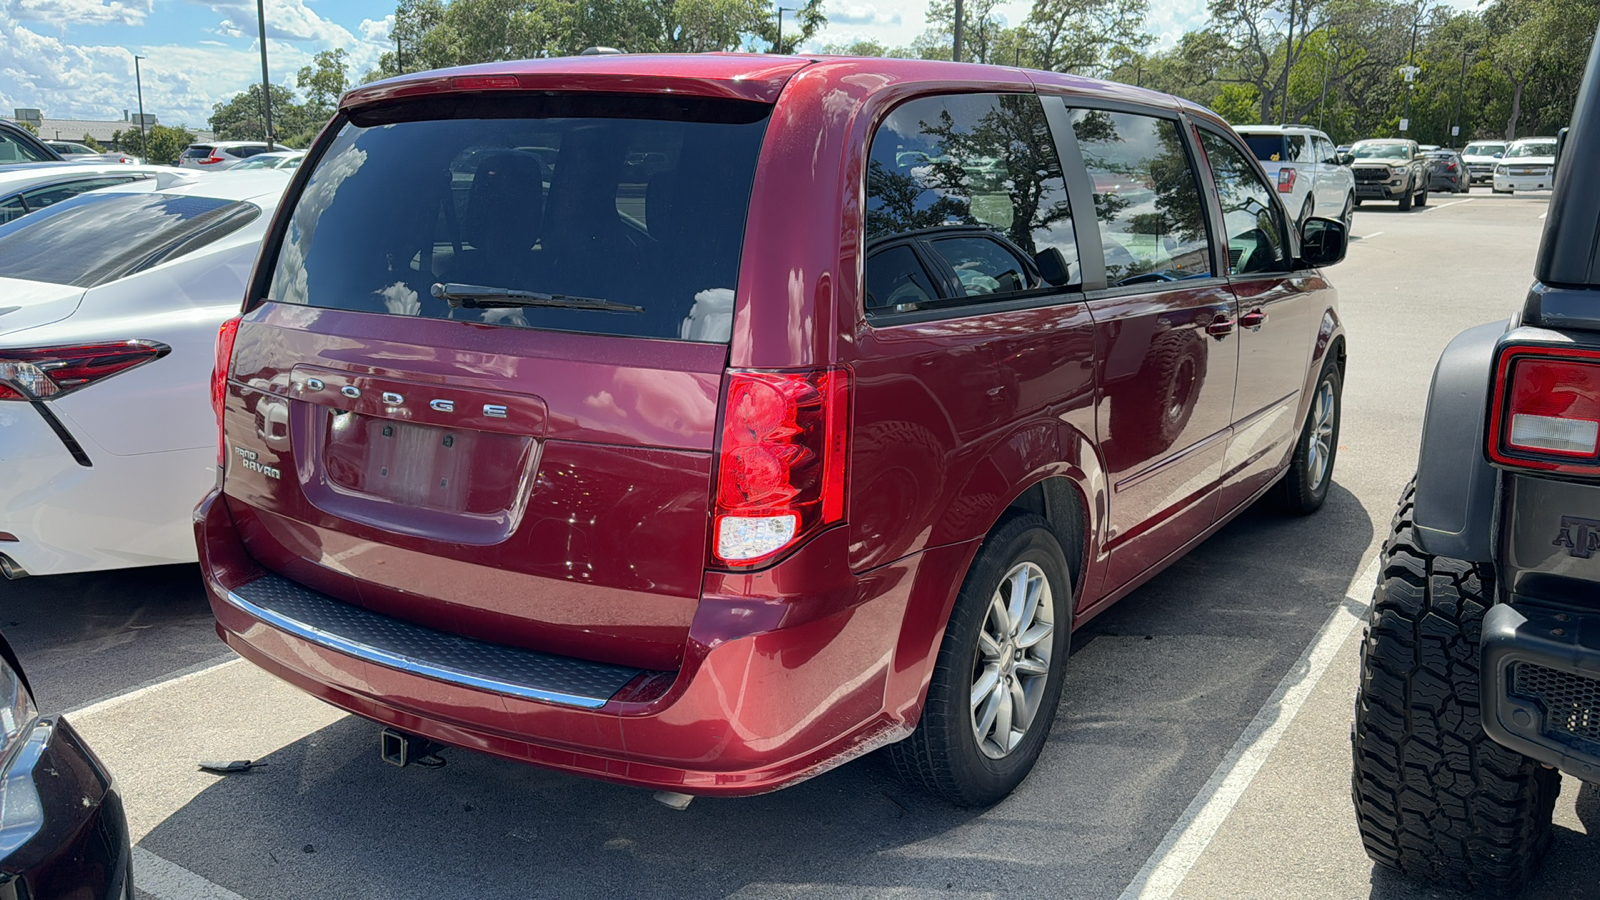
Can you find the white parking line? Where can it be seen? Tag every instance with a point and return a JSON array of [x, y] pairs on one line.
[[1166, 868], [166, 880], [171, 678], [1365, 237], [1448, 205]]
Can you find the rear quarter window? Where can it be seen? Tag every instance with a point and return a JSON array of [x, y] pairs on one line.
[[635, 201]]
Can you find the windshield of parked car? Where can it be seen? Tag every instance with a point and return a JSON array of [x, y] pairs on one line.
[[101, 236], [638, 201], [1481, 149], [1532, 148], [1381, 151]]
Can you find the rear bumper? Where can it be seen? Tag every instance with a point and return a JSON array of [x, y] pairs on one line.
[[1541, 685], [78, 846], [120, 511], [764, 697]]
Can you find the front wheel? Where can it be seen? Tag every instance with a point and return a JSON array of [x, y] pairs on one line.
[[998, 678], [1435, 798], [1305, 486], [1406, 198], [1422, 198], [1346, 214]]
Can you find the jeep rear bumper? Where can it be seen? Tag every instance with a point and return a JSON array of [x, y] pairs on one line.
[[1541, 685]]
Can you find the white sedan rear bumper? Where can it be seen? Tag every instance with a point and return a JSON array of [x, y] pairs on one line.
[[120, 511]]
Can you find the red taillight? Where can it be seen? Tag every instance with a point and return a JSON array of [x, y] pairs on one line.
[[1285, 180], [219, 380], [45, 373], [781, 465], [1546, 412], [210, 159], [1449, 167]]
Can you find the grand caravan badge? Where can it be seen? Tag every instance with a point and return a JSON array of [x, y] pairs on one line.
[[251, 460]]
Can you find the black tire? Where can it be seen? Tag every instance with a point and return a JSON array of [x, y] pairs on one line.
[[1407, 198], [1303, 490], [1306, 209], [1422, 198], [942, 757], [1357, 202], [1435, 798], [1349, 210]]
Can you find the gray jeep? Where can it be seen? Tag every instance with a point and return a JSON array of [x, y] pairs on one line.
[[1480, 671]]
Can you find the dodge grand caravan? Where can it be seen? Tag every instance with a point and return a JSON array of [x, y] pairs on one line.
[[703, 422]]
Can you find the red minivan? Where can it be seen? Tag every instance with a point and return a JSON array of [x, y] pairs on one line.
[[703, 422]]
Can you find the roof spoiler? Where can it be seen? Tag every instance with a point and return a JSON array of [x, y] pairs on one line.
[[1572, 227]]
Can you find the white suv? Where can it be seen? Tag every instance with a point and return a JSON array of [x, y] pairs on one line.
[[218, 155], [1529, 165], [1304, 165]]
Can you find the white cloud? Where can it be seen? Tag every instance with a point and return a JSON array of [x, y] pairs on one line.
[[63, 14], [860, 14]]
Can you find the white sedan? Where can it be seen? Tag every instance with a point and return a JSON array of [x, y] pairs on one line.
[[109, 308]]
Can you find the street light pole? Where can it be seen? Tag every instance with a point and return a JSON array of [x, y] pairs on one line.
[[955, 46], [138, 85], [1460, 88], [1411, 69], [266, 86], [778, 47]]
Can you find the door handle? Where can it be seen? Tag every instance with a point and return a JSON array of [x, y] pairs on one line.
[[1253, 319], [1220, 327]]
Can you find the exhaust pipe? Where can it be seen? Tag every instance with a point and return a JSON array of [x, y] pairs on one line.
[[399, 749], [10, 569]]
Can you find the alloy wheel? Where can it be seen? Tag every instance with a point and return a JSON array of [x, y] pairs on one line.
[[1013, 661], [1324, 411]]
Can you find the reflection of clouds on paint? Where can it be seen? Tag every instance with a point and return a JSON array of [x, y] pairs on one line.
[[504, 317], [711, 319], [289, 279], [606, 403], [400, 300]]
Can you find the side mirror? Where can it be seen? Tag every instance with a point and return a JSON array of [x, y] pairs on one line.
[[1053, 266], [1344, 159], [1500, 154], [1323, 242]]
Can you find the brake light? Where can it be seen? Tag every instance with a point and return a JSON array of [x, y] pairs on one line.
[[219, 380], [1449, 167], [781, 464], [45, 373], [485, 82], [213, 158], [1546, 412], [1285, 180]]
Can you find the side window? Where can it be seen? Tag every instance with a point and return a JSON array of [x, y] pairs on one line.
[[1253, 220], [1147, 199], [1326, 153], [897, 280], [1296, 145], [973, 179], [15, 151], [42, 197], [11, 207]]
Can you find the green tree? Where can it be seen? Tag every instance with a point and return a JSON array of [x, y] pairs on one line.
[[92, 144], [240, 118], [324, 81], [161, 144]]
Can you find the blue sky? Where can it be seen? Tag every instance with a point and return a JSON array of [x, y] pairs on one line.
[[74, 58]]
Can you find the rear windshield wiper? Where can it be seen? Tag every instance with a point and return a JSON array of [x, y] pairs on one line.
[[476, 296]]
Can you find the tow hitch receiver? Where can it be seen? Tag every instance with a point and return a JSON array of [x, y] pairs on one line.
[[400, 749]]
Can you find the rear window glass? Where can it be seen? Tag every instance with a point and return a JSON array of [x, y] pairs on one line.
[[552, 201], [1266, 147], [98, 237], [195, 151]]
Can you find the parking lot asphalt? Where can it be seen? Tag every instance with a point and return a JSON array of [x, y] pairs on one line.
[[1202, 748]]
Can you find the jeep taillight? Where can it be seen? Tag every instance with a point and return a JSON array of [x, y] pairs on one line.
[[781, 463], [219, 381], [45, 373], [1546, 410], [1285, 180]]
